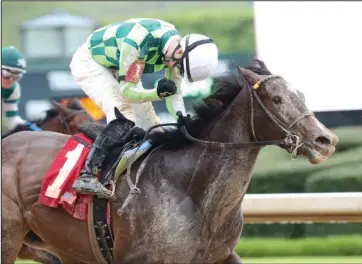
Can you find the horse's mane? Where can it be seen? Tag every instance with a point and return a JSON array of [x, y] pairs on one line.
[[211, 107]]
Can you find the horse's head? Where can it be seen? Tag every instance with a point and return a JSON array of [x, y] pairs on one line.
[[72, 116], [281, 108]]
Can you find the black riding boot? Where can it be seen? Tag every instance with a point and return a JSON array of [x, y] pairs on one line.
[[87, 182]]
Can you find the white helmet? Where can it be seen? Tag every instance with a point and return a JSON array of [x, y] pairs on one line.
[[199, 58]]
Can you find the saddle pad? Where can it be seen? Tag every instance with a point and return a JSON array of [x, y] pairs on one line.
[[57, 184]]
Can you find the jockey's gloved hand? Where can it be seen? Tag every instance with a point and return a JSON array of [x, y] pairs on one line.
[[182, 120], [139, 133], [136, 133], [166, 88], [32, 126]]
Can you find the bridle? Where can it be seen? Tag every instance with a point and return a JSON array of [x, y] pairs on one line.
[[291, 141], [65, 120]]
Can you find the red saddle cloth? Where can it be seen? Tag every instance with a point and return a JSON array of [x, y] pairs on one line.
[[57, 184]]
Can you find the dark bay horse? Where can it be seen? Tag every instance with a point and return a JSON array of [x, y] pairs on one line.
[[65, 119], [189, 208]]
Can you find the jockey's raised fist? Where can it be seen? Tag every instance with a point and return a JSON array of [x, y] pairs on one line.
[[166, 88]]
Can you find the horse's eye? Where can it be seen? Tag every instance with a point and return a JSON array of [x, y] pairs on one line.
[[277, 99]]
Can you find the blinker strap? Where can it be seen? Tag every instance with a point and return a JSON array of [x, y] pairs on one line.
[[259, 83]]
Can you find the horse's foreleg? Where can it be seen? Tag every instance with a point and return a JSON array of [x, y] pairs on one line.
[[13, 230], [232, 259], [38, 255]]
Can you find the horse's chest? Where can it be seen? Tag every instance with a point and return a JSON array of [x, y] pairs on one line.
[[176, 235], [171, 228], [181, 240]]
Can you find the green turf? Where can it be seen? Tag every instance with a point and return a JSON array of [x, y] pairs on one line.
[[304, 260], [281, 260]]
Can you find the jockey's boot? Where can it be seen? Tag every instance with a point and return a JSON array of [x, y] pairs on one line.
[[112, 135], [87, 182]]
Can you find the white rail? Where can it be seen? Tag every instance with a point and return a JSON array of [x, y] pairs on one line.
[[302, 207]]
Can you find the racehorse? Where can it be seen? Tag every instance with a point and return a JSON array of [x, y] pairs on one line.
[[66, 119], [191, 187]]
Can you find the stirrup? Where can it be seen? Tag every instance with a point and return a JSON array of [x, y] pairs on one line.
[[105, 193], [112, 196], [93, 187]]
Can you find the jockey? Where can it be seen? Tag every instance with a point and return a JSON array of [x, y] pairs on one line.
[[12, 69], [108, 68]]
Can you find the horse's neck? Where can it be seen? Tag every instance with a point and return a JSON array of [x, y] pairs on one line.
[[53, 124], [234, 125], [228, 183]]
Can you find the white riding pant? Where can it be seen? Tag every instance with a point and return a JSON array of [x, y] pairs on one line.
[[101, 85]]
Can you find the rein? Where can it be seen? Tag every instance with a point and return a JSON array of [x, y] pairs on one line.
[[290, 140]]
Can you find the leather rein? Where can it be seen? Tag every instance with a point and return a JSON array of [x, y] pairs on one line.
[[291, 141]]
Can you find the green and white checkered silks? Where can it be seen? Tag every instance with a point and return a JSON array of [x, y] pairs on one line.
[[117, 45], [115, 48]]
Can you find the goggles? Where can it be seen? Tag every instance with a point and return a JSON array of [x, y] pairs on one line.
[[11, 74], [180, 62]]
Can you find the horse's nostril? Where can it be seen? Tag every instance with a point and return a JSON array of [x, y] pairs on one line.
[[323, 140]]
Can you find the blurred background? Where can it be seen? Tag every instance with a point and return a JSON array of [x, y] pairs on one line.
[[313, 45], [50, 32]]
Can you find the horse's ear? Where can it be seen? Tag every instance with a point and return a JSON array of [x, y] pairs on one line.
[[118, 114], [249, 75], [56, 104], [257, 63], [75, 104], [60, 107]]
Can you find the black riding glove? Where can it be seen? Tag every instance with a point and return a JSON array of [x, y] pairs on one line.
[[138, 133], [166, 88]]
